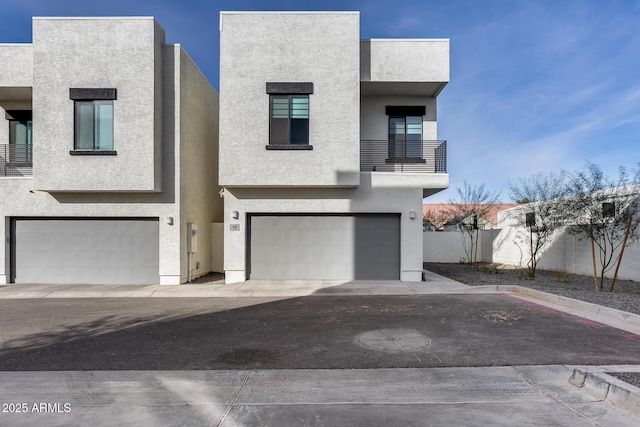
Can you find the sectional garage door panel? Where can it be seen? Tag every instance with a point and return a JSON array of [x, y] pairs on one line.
[[85, 251], [356, 247]]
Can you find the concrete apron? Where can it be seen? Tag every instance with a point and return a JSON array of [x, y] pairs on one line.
[[500, 396]]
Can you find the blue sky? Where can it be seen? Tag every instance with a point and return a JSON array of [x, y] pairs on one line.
[[536, 86]]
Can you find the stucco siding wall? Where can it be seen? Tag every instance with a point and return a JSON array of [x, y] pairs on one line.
[[322, 48], [364, 199], [199, 200], [121, 53], [16, 65], [409, 60], [22, 200]]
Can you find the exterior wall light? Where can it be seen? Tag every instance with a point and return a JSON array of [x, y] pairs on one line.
[[235, 215], [168, 220], [412, 214]]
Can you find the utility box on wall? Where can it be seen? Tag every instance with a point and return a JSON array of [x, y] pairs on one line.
[[192, 238]]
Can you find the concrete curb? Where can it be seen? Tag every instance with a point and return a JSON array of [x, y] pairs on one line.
[[614, 317], [596, 381]]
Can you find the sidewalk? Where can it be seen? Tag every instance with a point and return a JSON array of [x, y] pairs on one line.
[[434, 284], [499, 396]]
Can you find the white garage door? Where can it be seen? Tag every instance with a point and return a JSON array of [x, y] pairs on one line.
[[354, 247], [57, 250]]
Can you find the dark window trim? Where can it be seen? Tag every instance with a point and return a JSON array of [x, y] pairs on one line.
[[290, 88], [93, 94], [19, 115], [289, 147], [407, 110], [288, 144], [22, 154], [93, 152]]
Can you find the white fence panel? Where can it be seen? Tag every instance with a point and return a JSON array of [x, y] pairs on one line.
[[511, 245], [443, 246]]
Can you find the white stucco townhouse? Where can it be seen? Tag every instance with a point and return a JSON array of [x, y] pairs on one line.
[[108, 156], [328, 144], [110, 167]]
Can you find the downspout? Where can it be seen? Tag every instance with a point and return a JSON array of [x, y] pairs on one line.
[[188, 266]]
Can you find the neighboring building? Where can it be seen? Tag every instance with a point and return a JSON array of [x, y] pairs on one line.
[[108, 154], [447, 217], [328, 144]]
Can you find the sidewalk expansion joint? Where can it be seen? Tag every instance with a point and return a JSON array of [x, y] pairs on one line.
[[235, 398]]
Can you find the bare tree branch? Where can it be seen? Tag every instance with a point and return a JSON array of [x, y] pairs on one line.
[[473, 202]]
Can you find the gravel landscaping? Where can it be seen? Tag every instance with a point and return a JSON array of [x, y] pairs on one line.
[[625, 296], [210, 278], [632, 378]]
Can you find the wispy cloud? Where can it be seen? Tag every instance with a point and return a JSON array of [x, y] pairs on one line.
[[543, 86]]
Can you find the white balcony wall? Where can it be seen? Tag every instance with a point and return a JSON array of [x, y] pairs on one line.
[[121, 53], [405, 60], [322, 48]]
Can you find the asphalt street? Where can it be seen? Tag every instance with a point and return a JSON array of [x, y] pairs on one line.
[[330, 332]]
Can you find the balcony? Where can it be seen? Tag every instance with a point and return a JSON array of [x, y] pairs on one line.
[[16, 160], [403, 156], [403, 67]]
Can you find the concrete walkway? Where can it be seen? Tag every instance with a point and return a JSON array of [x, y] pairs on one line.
[[434, 284], [499, 396]]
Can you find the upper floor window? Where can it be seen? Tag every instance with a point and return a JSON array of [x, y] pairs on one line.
[[405, 132], [289, 115], [93, 121], [94, 125], [289, 119], [20, 136]]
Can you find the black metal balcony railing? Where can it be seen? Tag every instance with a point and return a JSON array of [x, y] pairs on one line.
[[403, 156], [16, 160]]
